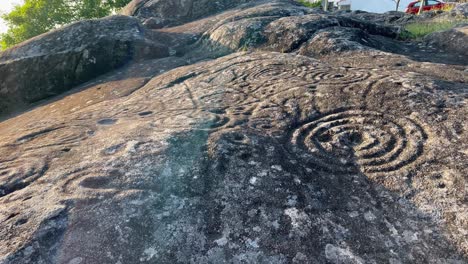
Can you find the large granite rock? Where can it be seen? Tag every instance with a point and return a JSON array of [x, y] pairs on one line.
[[453, 40], [387, 18], [281, 27], [460, 11], [161, 13], [324, 141], [55, 62]]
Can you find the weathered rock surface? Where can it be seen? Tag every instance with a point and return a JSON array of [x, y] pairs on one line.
[[460, 11], [55, 62], [280, 27], [453, 40], [161, 13], [391, 17], [325, 141]]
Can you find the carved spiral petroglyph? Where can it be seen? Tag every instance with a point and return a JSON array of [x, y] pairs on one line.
[[58, 136], [89, 180], [114, 110], [271, 73], [208, 120], [370, 141], [334, 77], [267, 74], [18, 172], [222, 98], [213, 121]]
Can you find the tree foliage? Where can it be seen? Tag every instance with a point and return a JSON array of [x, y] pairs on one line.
[[35, 17], [316, 4]]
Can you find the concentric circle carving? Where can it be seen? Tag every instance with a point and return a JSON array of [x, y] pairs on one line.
[[370, 141]]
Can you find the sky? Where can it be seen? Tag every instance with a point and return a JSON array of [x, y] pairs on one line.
[[377, 6], [5, 6]]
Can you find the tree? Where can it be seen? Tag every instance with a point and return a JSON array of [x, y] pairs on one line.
[[35, 17], [325, 5], [397, 2]]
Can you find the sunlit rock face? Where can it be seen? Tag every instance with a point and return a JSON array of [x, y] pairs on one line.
[[263, 133], [458, 37], [56, 61], [160, 13]]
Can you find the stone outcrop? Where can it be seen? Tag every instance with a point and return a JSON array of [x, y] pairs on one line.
[[55, 62], [162, 13], [281, 27], [460, 11], [452, 40], [263, 133]]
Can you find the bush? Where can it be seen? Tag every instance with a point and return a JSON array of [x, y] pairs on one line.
[[306, 3]]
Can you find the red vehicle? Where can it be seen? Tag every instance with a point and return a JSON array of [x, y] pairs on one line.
[[413, 7]]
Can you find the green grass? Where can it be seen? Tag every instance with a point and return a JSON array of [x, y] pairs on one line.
[[421, 29], [309, 4]]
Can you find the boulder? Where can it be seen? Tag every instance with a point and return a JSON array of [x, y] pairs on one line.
[[55, 62], [176, 12], [390, 17], [460, 11], [251, 27], [337, 40], [281, 27], [454, 40]]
